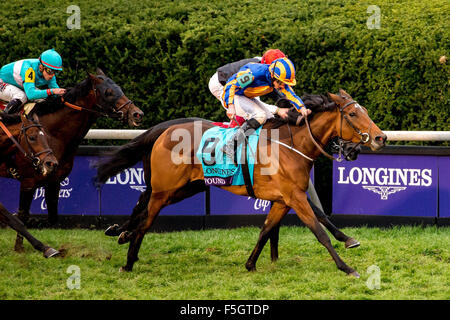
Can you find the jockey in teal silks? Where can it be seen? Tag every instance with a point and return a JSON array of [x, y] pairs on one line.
[[254, 80], [19, 80]]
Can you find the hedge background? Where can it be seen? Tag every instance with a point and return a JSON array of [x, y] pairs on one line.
[[162, 53]]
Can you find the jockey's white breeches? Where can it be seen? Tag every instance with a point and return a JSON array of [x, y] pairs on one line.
[[9, 92], [246, 108]]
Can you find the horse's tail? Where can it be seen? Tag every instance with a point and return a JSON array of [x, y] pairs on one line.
[[134, 151]]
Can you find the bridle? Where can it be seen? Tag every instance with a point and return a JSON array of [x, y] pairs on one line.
[[365, 136], [33, 157], [116, 113]]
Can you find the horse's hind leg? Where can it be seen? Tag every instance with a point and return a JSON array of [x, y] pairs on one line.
[[139, 213], [337, 234], [157, 202], [274, 236], [277, 212]]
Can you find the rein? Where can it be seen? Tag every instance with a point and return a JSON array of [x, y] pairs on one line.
[[365, 136], [33, 157], [117, 113]]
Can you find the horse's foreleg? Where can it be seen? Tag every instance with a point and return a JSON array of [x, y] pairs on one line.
[[51, 199], [19, 227], [26, 197], [306, 214], [337, 234], [276, 213]]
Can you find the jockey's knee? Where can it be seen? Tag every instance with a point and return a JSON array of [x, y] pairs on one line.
[[22, 97], [260, 117]]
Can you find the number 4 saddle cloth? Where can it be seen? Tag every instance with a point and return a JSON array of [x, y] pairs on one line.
[[218, 168]]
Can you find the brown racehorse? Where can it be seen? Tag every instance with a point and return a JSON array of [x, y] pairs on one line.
[[340, 116], [32, 141], [127, 156], [67, 121]]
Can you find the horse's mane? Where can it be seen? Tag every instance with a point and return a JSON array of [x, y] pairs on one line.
[[315, 102], [53, 103]]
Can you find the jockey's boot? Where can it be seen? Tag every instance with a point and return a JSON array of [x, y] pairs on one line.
[[13, 106], [247, 128]]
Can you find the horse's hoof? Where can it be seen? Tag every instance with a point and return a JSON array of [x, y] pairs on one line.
[[124, 237], [351, 243], [50, 252], [354, 274], [19, 249], [124, 269], [112, 231], [250, 267]]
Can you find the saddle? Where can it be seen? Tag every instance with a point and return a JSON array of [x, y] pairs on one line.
[[218, 169], [25, 108]]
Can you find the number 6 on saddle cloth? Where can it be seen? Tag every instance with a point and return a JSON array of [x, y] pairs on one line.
[[220, 170]]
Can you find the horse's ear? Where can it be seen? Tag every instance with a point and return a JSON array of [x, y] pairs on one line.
[[93, 78], [334, 97], [344, 94], [100, 72], [35, 117]]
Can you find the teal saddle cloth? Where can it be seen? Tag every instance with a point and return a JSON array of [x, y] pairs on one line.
[[218, 168]]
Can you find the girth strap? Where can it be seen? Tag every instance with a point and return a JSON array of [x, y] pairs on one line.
[[246, 171]]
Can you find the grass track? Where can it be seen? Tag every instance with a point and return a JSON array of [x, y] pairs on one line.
[[414, 264]]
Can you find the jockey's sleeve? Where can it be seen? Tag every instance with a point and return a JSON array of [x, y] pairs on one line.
[[52, 83], [292, 97], [29, 85], [237, 82]]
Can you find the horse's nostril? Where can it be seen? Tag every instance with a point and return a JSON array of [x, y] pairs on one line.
[[381, 138], [137, 115], [51, 164]]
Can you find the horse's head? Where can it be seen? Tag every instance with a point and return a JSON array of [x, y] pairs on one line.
[[34, 144], [354, 123], [111, 99]]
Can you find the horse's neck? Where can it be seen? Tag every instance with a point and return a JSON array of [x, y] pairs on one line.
[[69, 126], [323, 128], [5, 141]]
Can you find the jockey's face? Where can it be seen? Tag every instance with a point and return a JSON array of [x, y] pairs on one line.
[[47, 72], [277, 84]]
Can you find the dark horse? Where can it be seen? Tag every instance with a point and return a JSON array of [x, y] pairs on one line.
[[337, 116], [67, 121], [20, 134]]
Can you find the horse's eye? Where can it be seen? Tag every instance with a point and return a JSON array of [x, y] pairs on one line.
[[32, 138], [109, 93], [352, 114]]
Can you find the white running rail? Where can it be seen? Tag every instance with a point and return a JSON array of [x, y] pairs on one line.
[[128, 134]]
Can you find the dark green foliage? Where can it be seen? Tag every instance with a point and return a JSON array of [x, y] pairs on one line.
[[163, 53]]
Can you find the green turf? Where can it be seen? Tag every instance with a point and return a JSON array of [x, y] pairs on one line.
[[413, 261]]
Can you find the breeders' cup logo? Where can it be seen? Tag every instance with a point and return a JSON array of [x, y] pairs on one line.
[[260, 204], [133, 177], [385, 181], [64, 192]]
